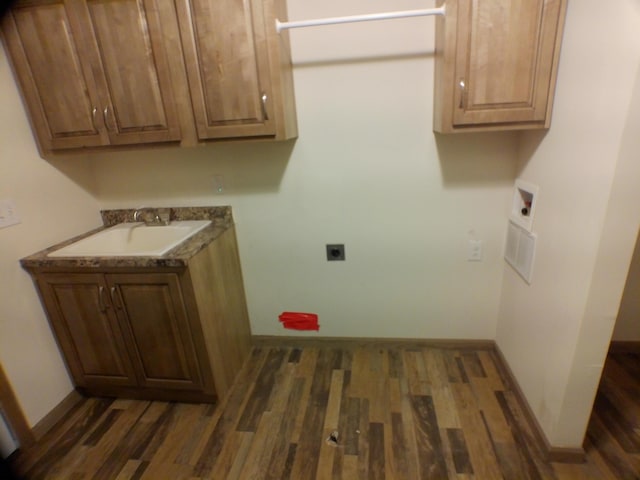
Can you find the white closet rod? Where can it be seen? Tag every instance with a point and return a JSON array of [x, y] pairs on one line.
[[359, 18]]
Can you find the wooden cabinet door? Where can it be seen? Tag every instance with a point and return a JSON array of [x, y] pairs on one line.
[[125, 38], [87, 329], [57, 85], [504, 61], [156, 328], [227, 62]]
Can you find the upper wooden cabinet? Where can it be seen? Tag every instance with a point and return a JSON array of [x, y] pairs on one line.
[[496, 64], [97, 73], [57, 85], [93, 72], [132, 69], [238, 68]]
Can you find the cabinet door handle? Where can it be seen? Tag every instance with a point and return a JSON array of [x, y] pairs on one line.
[[264, 106], [115, 299], [105, 116], [93, 118], [101, 304], [462, 85]]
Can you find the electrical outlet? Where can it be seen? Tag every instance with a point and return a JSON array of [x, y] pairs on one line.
[[335, 252], [8, 214], [474, 252]]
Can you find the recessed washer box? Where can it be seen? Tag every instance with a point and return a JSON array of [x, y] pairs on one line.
[[523, 208]]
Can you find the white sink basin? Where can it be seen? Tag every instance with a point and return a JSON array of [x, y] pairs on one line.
[[133, 239]]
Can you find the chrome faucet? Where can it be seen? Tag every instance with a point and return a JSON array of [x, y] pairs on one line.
[[161, 216], [136, 214]]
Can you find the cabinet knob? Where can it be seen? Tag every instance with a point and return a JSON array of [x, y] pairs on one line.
[[264, 106], [115, 299], [105, 116], [103, 306], [462, 92]]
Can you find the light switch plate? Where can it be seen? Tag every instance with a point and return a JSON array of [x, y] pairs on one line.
[[8, 214], [474, 252]]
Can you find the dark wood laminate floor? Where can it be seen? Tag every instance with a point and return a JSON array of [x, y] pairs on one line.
[[399, 413], [613, 435]]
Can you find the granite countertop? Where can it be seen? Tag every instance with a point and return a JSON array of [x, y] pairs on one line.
[[221, 220]]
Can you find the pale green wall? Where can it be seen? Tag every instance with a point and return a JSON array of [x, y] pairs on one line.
[[53, 204], [555, 332]]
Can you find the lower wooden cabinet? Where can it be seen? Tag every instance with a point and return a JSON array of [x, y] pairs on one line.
[[174, 334], [156, 331], [87, 329], [123, 329]]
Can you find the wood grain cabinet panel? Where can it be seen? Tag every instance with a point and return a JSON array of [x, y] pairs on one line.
[[228, 77], [154, 321], [496, 64], [124, 330], [87, 329], [138, 103], [93, 72], [238, 68], [57, 84]]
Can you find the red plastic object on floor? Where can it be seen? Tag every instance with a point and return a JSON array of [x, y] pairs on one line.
[[299, 321]]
